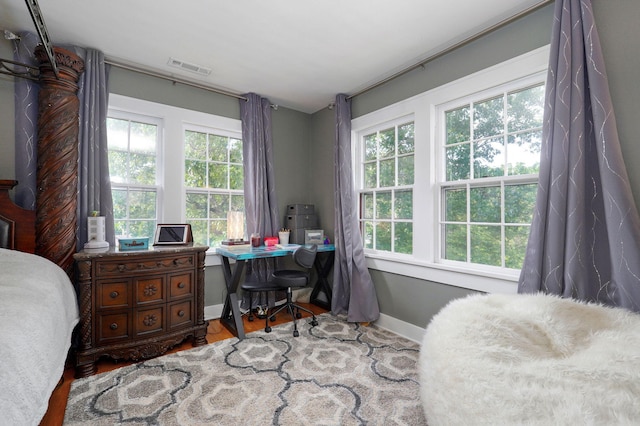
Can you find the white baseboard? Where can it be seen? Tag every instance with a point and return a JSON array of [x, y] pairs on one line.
[[404, 329], [213, 312]]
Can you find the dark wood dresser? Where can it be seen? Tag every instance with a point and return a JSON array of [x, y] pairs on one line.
[[138, 304]]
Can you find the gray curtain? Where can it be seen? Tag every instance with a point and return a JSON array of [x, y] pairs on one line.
[[261, 204], [26, 123], [94, 184], [353, 290], [585, 235], [94, 187]]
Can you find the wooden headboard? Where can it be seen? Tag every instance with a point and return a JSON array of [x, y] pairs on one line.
[[17, 225]]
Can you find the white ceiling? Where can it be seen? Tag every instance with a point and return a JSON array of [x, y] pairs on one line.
[[297, 53]]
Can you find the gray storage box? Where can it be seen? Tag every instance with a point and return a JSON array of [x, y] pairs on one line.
[[296, 236], [301, 221], [300, 209]]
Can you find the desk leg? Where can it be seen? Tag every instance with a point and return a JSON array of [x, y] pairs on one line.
[[322, 284], [231, 317]]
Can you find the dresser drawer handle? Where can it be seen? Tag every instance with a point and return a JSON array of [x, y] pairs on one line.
[[181, 284], [150, 320], [181, 313], [114, 294], [113, 326], [150, 290]]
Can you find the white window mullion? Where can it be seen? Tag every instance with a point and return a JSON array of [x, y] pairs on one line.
[[427, 112]]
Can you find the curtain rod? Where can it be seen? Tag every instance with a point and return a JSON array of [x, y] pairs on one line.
[[455, 46], [173, 79]]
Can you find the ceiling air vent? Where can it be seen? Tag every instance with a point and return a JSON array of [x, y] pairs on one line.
[[177, 63]]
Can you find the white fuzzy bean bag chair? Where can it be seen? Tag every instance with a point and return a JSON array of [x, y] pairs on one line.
[[531, 359]]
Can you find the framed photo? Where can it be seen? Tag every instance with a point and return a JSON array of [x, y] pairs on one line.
[[172, 234], [313, 236]]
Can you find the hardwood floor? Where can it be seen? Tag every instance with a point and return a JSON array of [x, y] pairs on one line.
[[215, 332]]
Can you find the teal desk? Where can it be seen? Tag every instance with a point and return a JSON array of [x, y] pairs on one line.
[[231, 317]]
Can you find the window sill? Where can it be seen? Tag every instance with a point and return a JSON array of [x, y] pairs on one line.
[[487, 282], [212, 258]]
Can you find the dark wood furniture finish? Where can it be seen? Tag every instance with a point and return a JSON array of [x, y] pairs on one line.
[[17, 225], [138, 304], [57, 175]]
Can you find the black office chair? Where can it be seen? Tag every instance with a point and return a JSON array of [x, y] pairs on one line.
[[290, 279], [261, 288]]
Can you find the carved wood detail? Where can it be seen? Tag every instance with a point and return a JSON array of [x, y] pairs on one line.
[[57, 173], [20, 222]]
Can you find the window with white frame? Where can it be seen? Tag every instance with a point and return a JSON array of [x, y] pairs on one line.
[[133, 144], [386, 194], [173, 165], [214, 182], [474, 173], [491, 158]]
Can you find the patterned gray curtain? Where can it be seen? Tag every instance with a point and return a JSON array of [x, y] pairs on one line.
[[94, 187], [585, 235], [26, 123], [353, 290], [94, 184], [260, 202]]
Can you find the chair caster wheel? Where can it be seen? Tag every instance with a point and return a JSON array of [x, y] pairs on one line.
[[298, 315], [267, 329], [273, 318], [314, 323], [295, 333]]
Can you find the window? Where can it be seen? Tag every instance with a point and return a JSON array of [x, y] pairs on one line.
[[447, 179], [133, 143], [386, 198], [491, 160], [173, 165], [214, 179]]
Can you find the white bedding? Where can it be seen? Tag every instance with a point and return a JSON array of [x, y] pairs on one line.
[[38, 311]]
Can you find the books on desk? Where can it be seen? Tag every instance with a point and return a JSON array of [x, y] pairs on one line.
[[235, 243], [238, 247]]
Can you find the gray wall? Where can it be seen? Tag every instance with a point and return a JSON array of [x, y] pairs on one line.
[[304, 143], [7, 130], [321, 168]]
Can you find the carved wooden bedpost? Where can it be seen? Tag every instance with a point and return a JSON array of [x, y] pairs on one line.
[[57, 175]]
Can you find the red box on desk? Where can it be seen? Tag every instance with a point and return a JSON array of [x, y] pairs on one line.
[[270, 241]]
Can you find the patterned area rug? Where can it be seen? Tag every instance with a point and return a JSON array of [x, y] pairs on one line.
[[336, 373]]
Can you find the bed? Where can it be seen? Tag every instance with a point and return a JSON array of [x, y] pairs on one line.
[[38, 312]]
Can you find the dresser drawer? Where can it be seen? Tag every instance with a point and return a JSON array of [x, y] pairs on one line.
[[148, 321], [113, 294], [144, 264], [111, 327], [149, 290], [180, 314], [180, 285]]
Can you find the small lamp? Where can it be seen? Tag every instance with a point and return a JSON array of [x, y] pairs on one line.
[[235, 228]]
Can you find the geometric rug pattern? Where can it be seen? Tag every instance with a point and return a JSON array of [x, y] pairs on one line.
[[336, 373]]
